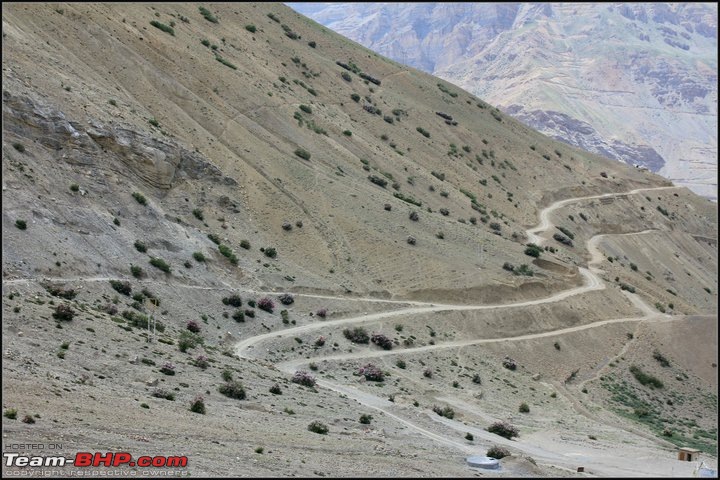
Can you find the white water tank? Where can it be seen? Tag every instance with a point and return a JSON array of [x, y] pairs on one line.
[[479, 461]]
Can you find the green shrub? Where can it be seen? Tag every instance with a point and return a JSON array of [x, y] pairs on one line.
[[208, 15], [533, 250], [198, 404], [469, 437], [189, 340], [357, 335], [446, 411], [64, 313], [74, 187], [347, 133], [524, 408], [160, 263], [140, 198], [497, 452], [424, 132], [198, 256], [645, 378], [318, 427], [121, 287], [355, 97], [225, 62], [305, 108], [567, 232], [503, 429], [304, 154], [10, 413], [21, 148], [136, 271], [365, 419], [270, 252], [21, 224], [163, 27], [233, 389], [227, 252], [250, 28], [140, 246]]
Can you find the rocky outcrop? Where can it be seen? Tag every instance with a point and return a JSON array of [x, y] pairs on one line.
[[158, 163]]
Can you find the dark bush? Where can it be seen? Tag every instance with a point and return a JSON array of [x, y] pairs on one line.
[[365, 419], [563, 239], [140, 198], [509, 363], [303, 378], [382, 341], [286, 299], [446, 411], [193, 326], [276, 390], [357, 335], [304, 154], [497, 452], [378, 180], [322, 313], [163, 27], [645, 378], [121, 287], [317, 427], [239, 316], [233, 389], [270, 252], [372, 373], [533, 250], [168, 369], [524, 408], [266, 304], [64, 313], [208, 15], [414, 216], [160, 263], [233, 300], [503, 429], [411, 240], [198, 405]]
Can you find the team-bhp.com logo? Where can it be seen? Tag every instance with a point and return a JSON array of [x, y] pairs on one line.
[[97, 459]]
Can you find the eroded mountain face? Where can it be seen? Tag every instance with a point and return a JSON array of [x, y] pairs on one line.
[[637, 83]]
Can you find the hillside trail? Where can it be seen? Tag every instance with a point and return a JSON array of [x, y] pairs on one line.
[[592, 282]]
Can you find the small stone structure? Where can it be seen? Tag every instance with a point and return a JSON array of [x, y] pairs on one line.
[[688, 454]]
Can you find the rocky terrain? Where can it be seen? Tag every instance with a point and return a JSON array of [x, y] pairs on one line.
[[232, 234], [636, 83]]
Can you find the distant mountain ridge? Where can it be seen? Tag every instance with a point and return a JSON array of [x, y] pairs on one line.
[[633, 82]]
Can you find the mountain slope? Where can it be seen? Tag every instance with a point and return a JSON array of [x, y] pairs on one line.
[[637, 83]]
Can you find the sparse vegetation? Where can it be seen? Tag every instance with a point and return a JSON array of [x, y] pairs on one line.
[[140, 198], [163, 27], [161, 264], [503, 429], [233, 389], [357, 335], [208, 15], [497, 452], [304, 154], [318, 427], [198, 405], [446, 411], [645, 378]]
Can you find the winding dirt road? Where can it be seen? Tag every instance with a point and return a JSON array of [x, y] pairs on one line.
[[592, 282]]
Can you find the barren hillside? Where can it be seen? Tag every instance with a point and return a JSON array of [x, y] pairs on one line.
[[207, 157]]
